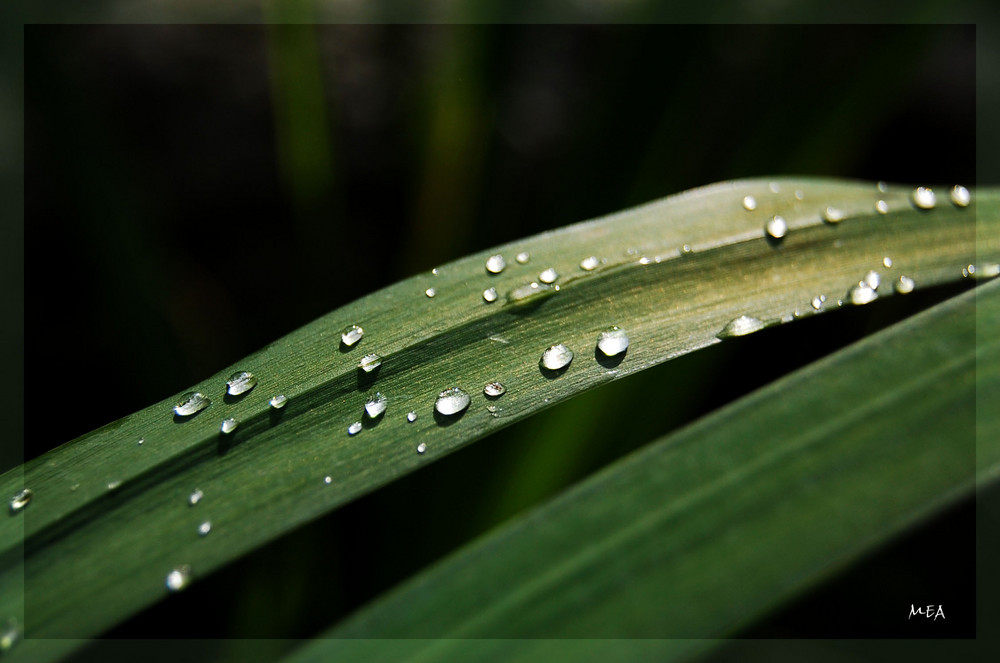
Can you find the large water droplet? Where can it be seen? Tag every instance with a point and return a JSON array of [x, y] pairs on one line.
[[741, 326], [834, 215], [328, 479], [195, 497], [354, 428], [818, 301], [376, 405], [179, 578], [228, 425], [749, 203], [777, 227], [204, 528], [873, 279], [452, 401], [887, 262], [556, 357], [370, 362], [431, 292], [279, 401], [923, 197], [862, 294], [613, 341], [190, 403], [20, 500], [589, 264], [523, 257], [495, 264], [411, 416], [240, 382], [882, 207], [351, 335], [548, 276], [960, 196], [494, 389], [421, 448], [490, 295], [904, 285]]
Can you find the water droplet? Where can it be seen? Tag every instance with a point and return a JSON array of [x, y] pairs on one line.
[[882, 186], [686, 249], [351, 335], [228, 425], [434, 271], [240, 382], [195, 497], [645, 261], [613, 341], [113, 485], [960, 196], [528, 294], [204, 528], [862, 294], [190, 403], [777, 227], [904, 285], [834, 215], [370, 362], [523, 257], [452, 401], [328, 479], [179, 578], [548, 276], [556, 357], [490, 294], [10, 635], [495, 264], [141, 441], [741, 326], [421, 448], [749, 203], [923, 197], [987, 270], [279, 401], [376, 405], [631, 251], [589, 264], [799, 195], [887, 262], [430, 292], [818, 301], [882, 207], [20, 500], [873, 279], [411, 416], [494, 389], [354, 428], [774, 187]]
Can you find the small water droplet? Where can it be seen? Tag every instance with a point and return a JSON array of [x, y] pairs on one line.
[[195, 497], [495, 412], [228, 425], [887, 262], [589, 263], [20, 500], [113, 485], [818, 301], [351, 335], [548, 276], [862, 294], [495, 264], [774, 187], [435, 271], [645, 261], [452, 401], [923, 197], [741, 326], [882, 187], [141, 441], [882, 207], [960, 196], [204, 528], [354, 428], [179, 578], [631, 251], [528, 294], [430, 292], [749, 203], [904, 285], [799, 195], [613, 341], [873, 279], [686, 249], [370, 362], [411, 416], [279, 401], [494, 389], [240, 382], [328, 479], [777, 227], [10, 635], [421, 448], [523, 257], [190, 403], [834, 215], [556, 357], [987, 270], [490, 295], [376, 405]]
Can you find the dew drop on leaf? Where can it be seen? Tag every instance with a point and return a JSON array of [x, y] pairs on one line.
[[556, 357], [279, 401], [240, 382], [376, 405], [370, 362], [741, 326], [818, 301], [421, 448], [351, 335], [431, 292], [495, 264], [548, 276], [195, 497], [923, 197], [873, 279], [452, 401], [494, 389], [354, 428], [613, 341], [862, 294], [887, 262], [190, 403], [777, 227], [834, 215], [328, 479], [904, 285], [589, 263], [523, 257], [490, 295], [179, 578], [882, 207], [204, 528], [411, 416], [228, 425], [960, 196], [749, 203], [10, 635], [20, 500]]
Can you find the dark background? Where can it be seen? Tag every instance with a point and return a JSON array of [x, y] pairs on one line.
[[195, 192]]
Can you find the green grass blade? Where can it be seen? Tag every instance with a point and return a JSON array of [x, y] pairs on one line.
[[700, 532], [110, 518]]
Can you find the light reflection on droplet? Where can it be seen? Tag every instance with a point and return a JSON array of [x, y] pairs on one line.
[[589, 264], [351, 335], [960, 196], [749, 203], [495, 264], [882, 207], [548, 276], [904, 285], [354, 428], [20, 500], [240, 382], [494, 389], [279, 401], [523, 257], [834, 215], [195, 497], [191, 403], [777, 227], [370, 362], [613, 341], [741, 326], [556, 357], [430, 292], [204, 528], [178, 578], [421, 448], [376, 405], [862, 294], [923, 197], [887, 262], [818, 301], [490, 295], [451, 401]]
